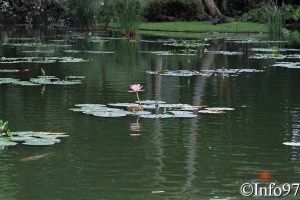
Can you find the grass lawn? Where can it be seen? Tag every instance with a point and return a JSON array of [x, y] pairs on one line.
[[233, 27]]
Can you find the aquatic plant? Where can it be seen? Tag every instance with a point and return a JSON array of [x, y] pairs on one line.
[[273, 16], [129, 18], [4, 131], [137, 88], [43, 72]]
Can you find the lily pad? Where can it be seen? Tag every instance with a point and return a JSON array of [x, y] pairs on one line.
[[155, 116], [183, 114], [75, 77], [123, 104], [8, 80], [26, 83], [150, 102], [41, 142], [168, 53], [225, 52], [267, 56], [7, 143], [21, 138], [292, 143], [22, 133], [211, 111], [293, 65], [219, 108]]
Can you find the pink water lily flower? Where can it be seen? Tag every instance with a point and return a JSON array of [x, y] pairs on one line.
[[136, 88]]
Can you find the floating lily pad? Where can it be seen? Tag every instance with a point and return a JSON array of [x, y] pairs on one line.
[[75, 77], [186, 43], [100, 110], [189, 108], [292, 143], [73, 82], [225, 52], [154, 116], [41, 60], [94, 52], [90, 105], [97, 40], [13, 70], [183, 114], [7, 80], [293, 56], [211, 112], [168, 53], [150, 102], [41, 142], [219, 108], [21, 138], [267, 56], [123, 104], [26, 83], [205, 73], [293, 65], [7, 143], [49, 81], [22, 133], [39, 51]]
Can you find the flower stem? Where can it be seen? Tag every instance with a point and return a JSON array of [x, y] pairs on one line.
[[137, 95]]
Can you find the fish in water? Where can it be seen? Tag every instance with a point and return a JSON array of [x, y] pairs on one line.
[[265, 175], [34, 157]]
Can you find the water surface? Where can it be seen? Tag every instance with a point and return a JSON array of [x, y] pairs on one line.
[[208, 157]]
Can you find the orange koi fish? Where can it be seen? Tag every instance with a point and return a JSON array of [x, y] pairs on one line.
[[265, 175], [34, 157]]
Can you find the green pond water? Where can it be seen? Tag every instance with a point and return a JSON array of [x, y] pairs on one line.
[[206, 157]]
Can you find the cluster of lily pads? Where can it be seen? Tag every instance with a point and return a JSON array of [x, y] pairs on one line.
[[92, 52], [8, 138], [147, 109], [293, 65], [31, 138], [41, 60], [205, 73], [44, 80], [35, 45], [186, 43]]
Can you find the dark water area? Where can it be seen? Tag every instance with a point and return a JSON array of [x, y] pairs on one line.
[[207, 157]]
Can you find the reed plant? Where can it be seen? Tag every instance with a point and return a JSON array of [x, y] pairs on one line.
[[87, 13], [129, 16], [273, 16]]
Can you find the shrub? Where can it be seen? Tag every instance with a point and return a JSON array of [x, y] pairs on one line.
[[173, 10]]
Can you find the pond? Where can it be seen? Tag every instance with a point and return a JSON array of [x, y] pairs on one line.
[[207, 156]]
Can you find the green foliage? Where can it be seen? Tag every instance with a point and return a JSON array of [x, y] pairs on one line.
[[86, 13], [173, 10], [271, 15], [107, 13], [4, 129], [43, 72], [296, 14], [129, 16], [36, 11]]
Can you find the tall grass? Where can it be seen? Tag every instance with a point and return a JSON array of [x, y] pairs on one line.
[[87, 13], [273, 16], [129, 16]]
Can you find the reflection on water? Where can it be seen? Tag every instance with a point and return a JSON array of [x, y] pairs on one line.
[[208, 157]]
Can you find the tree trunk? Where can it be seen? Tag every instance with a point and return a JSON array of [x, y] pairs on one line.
[[224, 5], [212, 8]]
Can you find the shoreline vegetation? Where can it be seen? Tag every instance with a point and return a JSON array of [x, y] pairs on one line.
[[197, 28], [204, 27]]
